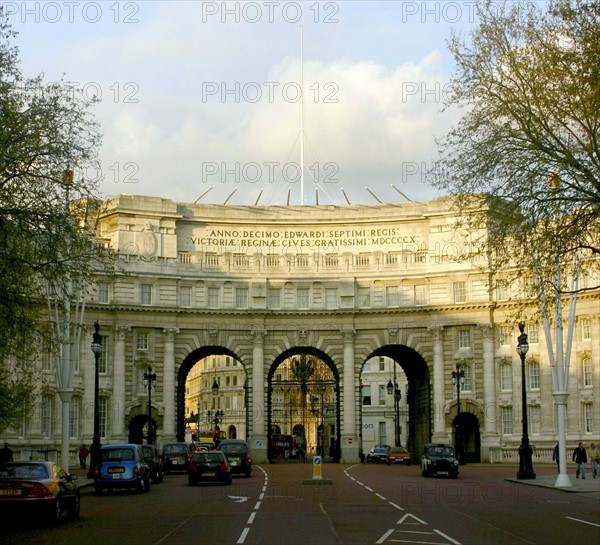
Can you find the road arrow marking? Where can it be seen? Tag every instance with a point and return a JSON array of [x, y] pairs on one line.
[[239, 499], [419, 521]]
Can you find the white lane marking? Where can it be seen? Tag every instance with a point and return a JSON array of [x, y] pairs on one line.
[[251, 517], [380, 496], [173, 530], [384, 536], [584, 521], [447, 537], [243, 536], [396, 506]]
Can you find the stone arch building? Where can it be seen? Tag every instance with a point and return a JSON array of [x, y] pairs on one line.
[[353, 283]]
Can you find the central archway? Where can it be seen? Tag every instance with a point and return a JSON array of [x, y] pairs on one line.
[[303, 407], [417, 397]]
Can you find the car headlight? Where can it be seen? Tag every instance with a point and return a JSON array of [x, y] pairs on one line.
[[455, 462]]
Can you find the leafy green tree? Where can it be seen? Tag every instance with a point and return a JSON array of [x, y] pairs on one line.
[[527, 145], [48, 149]]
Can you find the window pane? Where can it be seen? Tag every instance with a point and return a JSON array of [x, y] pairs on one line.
[[146, 294], [460, 292], [185, 296]]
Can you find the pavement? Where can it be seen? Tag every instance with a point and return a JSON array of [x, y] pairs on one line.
[[588, 485], [579, 486]]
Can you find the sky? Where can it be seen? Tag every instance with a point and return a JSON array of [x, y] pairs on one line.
[[202, 100]]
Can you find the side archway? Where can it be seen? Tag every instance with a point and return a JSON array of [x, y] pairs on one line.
[[417, 398], [186, 365]]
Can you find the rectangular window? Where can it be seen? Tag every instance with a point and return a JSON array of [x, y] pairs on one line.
[[103, 361], [504, 335], [533, 332], [464, 338], [46, 415], [460, 292], [213, 297], [103, 292], [534, 375], [102, 415], [382, 433], [142, 340], [506, 378], [74, 417], [381, 363], [241, 297], [534, 419], [586, 367], [146, 294], [302, 297], [588, 417], [501, 291], [47, 358], [507, 420], [274, 298], [421, 294], [382, 394], [366, 395], [392, 296], [364, 297], [466, 385], [331, 297], [185, 296], [586, 329]]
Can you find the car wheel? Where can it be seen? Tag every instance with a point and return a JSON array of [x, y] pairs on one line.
[[230, 479], [98, 489], [55, 511], [147, 484], [73, 512], [141, 486], [190, 481]]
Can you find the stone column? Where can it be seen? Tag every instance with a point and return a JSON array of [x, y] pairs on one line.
[[350, 447], [258, 439], [439, 381], [168, 433], [118, 402], [489, 437]]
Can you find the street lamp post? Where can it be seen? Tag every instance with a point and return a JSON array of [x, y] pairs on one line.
[[395, 389], [149, 382], [458, 378], [525, 450], [96, 446], [215, 417]]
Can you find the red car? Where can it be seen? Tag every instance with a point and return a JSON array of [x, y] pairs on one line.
[[398, 455]]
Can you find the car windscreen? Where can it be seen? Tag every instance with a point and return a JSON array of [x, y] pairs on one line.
[[175, 449], [441, 451], [23, 471], [233, 449], [117, 454], [203, 457]]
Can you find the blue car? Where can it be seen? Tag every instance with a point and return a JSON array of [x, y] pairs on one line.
[[122, 466]]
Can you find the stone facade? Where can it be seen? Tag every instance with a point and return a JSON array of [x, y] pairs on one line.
[[346, 284]]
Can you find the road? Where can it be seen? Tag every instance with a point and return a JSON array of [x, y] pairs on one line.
[[365, 504]]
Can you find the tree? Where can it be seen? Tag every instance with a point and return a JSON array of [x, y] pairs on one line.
[[529, 80], [525, 158], [48, 148]]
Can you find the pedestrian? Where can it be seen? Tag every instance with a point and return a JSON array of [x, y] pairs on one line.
[[580, 458], [6, 454], [83, 454], [555, 457], [594, 459]]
